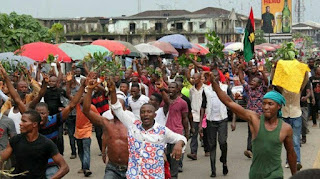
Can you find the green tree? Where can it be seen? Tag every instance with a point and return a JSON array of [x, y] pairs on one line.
[[259, 37], [306, 39], [57, 31], [215, 46], [16, 30]]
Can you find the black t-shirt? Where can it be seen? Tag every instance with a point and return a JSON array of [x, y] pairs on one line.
[[267, 22], [187, 100], [304, 93], [32, 156], [315, 81], [52, 98]]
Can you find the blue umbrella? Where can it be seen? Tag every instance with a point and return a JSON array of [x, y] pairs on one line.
[[177, 41], [14, 59]]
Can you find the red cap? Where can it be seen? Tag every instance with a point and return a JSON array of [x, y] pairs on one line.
[[135, 74]]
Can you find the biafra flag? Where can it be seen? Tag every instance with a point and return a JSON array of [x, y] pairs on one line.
[[248, 42]]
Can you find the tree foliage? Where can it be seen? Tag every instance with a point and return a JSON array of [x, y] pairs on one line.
[[215, 46], [57, 31], [259, 37], [16, 30], [306, 39]]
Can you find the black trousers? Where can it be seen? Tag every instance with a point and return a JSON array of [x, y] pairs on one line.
[[205, 141], [249, 139], [217, 129], [174, 164], [60, 142], [194, 139], [98, 130]]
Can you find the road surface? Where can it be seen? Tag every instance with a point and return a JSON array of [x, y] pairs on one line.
[[238, 164]]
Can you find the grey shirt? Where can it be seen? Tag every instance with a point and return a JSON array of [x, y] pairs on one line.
[[73, 93], [7, 129]]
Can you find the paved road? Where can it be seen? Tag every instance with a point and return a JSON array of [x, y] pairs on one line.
[[238, 164]]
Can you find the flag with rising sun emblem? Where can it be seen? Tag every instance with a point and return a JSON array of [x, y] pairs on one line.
[[248, 42]]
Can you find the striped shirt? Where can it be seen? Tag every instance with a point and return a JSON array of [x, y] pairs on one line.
[[51, 128]]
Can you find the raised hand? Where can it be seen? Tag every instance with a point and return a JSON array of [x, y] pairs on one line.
[[73, 66], [58, 65], [69, 76], [160, 84], [110, 84], [3, 72], [83, 82], [39, 66], [1, 85], [45, 77], [24, 70], [91, 83], [191, 66], [195, 58]]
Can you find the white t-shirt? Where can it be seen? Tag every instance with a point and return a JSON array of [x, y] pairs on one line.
[[146, 88], [136, 105], [78, 79], [16, 117], [161, 118]]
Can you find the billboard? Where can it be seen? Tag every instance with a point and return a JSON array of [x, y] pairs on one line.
[[276, 16]]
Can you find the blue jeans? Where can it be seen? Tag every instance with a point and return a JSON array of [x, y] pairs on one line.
[[114, 172], [71, 124], [296, 124], [84, 152], [51, 171]]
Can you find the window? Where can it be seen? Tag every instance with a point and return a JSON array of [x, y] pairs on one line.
[[215, 26], [201, 40], [132, 28], [222, 25], [144, 26], [179, 26], [158, 26], [202, 25], [190, 26]]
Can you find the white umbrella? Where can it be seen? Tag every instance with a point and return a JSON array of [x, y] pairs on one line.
[[234, 46], [148, 49], [15, 59]]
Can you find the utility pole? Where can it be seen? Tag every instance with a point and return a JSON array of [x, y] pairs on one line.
[[139, 6], [299, 9]]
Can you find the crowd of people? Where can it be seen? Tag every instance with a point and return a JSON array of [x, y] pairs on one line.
[[143, 119]]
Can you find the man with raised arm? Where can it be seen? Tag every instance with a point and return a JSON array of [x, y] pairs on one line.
[[32, 150], [115, 134], [146, 140], [268, 134], [49, 125]]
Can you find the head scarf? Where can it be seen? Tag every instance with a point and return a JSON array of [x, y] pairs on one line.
[[277, 97]]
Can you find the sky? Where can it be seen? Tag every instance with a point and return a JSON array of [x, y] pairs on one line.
[[114, 8]]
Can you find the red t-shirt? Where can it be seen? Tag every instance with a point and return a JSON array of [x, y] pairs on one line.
[[176, 109]]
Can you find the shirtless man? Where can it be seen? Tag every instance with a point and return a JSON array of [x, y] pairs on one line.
[[115, 134], [268, 134]]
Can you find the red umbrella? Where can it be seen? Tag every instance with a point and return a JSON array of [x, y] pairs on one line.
[[203, 50], [39, 51], [265, 47], [116, 47], [193, 51], [166, 47], [272, 45]]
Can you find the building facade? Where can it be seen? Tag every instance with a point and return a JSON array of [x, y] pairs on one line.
[[309, 28], [152, 25]]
